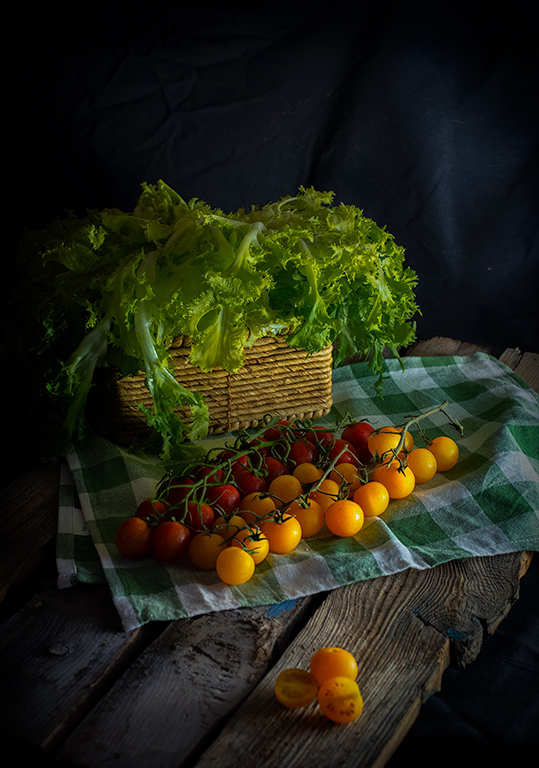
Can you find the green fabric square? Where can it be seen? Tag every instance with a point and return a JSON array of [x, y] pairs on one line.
[[502, 502], [106, 474], [417, 530], [527, 438]]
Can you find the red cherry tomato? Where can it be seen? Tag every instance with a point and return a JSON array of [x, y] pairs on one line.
[[152, 510], [247, 482], [274, 468], [232, 456], [226, 498], [277, 430], [199, 516], [171, 541], [348, 457], [301, 452], [134, 537], [211, 474], [319, 436], [357, 435], [177, 490]]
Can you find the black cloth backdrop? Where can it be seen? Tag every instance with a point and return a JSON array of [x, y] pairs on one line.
[[424, 115]]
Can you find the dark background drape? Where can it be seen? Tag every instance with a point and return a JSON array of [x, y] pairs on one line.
[[424, 115]]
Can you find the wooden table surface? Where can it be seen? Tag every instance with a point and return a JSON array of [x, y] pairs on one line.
[[79, 691]]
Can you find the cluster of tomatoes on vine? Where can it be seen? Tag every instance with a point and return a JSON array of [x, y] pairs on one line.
[[265, 493]]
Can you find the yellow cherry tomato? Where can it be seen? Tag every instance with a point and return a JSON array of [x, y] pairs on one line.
[[295, 688], [373, 498], [332, 661]]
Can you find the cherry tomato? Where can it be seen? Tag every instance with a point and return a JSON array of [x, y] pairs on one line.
[[277, 430], [235, 458], [255, 541], [319, 436], [204, 550], [326, 493], [152, 510], [134, 537], [274, 468], [423, 464], [283, 533], [212, 474], [307, 473], [399, 482], [227, 526], [235, 566], [295, 688], [348, 454], [301, 452], [178, 489], [358, 434], [285, 489], [446, 452], [254, 506], [247, 481], [199, 516], [344, 518], [171, 541], [340, 699], [310, 516], [224, 498], [331, 662], [373, 498], [347, 476], [382, 442]]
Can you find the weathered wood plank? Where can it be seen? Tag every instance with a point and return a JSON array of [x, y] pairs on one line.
[[400, 629], [57, 656], [182, 688], [32, 501], [525, 365]]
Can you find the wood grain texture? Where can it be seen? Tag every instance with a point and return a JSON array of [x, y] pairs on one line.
[[57, 655], [28, 521], [403, 630], [182, 688]]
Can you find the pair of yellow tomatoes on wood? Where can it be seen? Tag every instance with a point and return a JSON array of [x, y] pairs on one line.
[[331, 679]]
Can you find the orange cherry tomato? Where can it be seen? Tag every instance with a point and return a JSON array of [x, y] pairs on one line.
[[295, 688], [310, 517], [347, 476], [256, 505], [326, 493], [285, 489], [307, 473], [344, 518], [381, 443], [228, 525], [423, 464], [204, 550], [399, 482], [340, 699], [333, 662], [373, 498], [234, 566], [256, 541], [446, 452], [283, 533]]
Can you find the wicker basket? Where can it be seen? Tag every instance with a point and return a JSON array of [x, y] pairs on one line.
[[276, 379]]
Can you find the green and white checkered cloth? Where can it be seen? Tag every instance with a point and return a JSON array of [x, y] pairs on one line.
[[487, 504]]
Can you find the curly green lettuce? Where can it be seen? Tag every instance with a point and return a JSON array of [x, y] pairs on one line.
[[115, 288]]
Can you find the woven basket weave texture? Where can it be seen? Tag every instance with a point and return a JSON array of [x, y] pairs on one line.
[[276, 379]]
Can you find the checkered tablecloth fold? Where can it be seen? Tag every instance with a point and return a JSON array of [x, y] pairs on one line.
[[487, 504]]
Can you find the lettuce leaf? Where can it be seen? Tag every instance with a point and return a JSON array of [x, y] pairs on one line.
[[114, 289]]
